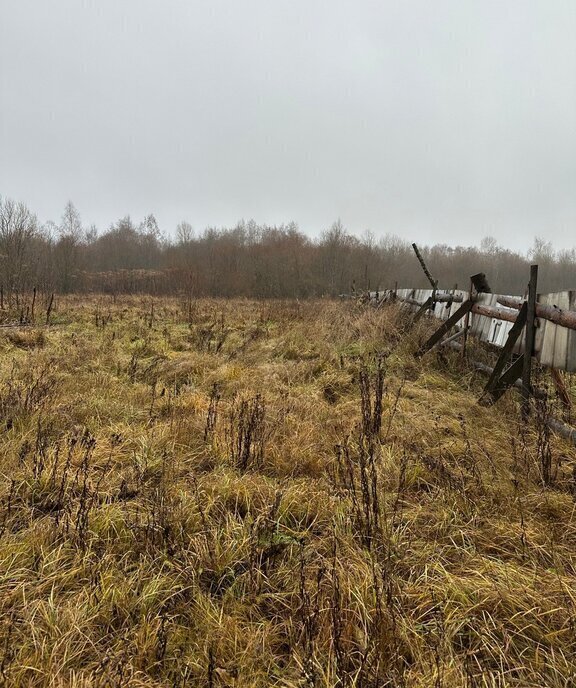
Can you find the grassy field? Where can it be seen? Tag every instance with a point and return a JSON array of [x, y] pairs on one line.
[[235, 493]]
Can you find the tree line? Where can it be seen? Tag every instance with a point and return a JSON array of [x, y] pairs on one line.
[[249, 259]]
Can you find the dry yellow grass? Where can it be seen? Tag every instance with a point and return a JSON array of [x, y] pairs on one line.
[[203, 495]]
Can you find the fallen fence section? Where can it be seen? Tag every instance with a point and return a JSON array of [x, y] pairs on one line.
[[492, 317], [501, 321], [540, 325]]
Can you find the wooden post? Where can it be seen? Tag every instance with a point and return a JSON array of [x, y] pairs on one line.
[[494, 382], [529, 342], [507, 379], [423, 308], [444, 328], [467, 322], [49, 309], [432, 281], [33, 303]]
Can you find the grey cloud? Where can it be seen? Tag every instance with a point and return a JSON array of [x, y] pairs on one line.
[[440, 121]]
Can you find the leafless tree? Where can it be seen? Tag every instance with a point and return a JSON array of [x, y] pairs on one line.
[[18, 229], [67, 249], [248, 259]]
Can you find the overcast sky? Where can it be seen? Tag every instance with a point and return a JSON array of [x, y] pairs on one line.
[[440, 121]]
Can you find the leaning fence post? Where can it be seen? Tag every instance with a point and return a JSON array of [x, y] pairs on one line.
[[446, 326], [433, 282], [529, 342], [467, 322]]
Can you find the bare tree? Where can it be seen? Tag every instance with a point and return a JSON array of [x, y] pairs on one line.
[[184, 233], [489, 245], [18, 229], [542, 251], [247, 260], [66, 251]]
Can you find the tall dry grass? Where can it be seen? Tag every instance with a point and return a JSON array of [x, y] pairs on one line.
[[236, 493]]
